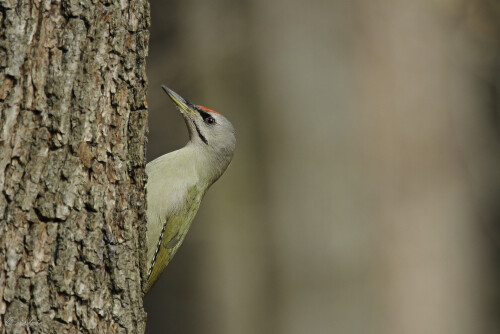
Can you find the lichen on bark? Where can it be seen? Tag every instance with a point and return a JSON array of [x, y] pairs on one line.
[[73, 119]]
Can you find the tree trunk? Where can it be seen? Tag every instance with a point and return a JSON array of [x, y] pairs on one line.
[[72, 138]]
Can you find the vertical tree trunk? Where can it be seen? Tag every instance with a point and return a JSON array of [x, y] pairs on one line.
[[72, 135]]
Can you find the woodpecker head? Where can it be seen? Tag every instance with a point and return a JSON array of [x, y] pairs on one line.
[[207, 128]]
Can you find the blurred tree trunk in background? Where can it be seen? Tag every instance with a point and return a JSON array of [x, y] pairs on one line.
[[384, 205], [72, 136], [319, 197], [424, 127], [398, 130]]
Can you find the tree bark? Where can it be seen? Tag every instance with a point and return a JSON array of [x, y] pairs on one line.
[[72, 154]]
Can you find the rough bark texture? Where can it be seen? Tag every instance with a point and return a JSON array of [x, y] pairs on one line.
[[72, 139]]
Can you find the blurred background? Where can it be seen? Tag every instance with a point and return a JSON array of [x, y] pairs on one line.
[[364, 193]]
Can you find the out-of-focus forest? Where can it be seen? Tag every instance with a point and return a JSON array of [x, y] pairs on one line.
[[364, 196]]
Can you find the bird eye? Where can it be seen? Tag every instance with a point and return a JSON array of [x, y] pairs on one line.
[[209, 120]]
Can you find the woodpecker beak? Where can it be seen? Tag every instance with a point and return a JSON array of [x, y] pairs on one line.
[[189, 112], [185, 106]]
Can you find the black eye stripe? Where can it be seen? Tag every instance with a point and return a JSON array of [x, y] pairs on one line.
[[203, 114]]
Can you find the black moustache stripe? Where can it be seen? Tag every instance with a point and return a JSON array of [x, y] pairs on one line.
[[199, 134]]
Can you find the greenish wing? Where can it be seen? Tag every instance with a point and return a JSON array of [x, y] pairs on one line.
[[173, 234]]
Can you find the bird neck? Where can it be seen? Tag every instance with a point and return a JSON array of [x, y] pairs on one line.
[[209, 163]]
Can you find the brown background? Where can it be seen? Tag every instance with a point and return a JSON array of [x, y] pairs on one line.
[[363, 196]]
